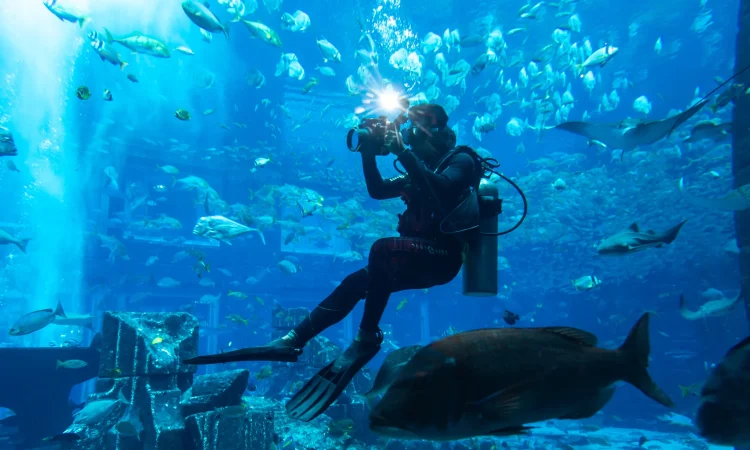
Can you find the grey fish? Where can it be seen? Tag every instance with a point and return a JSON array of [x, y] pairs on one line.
[[223, 229], [713, 308], [6, 238], [723, 416], [632, 240], [390, 370], [709, 130], [35, 321], [494, 381], [736, 200], [629, 134], [97, 410], [105, 50], [76, 320], [7, 145], [200, 15]]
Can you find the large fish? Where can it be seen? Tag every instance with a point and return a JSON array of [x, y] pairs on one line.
[[723, 416], [7, 145], [629, 134], [35, 321], [223, 229], [713, 308], [390, 370], [494, 381], [631, 240], [200, 15]]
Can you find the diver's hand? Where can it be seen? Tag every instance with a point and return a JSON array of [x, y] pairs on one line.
[[393, 142]]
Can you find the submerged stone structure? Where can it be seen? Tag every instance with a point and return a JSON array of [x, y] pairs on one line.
[[165, 406]]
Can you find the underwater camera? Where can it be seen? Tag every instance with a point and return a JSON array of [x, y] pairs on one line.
[[373, 130], [370, 130]]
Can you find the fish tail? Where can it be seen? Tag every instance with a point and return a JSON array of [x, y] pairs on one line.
[[122, 65], [225, 29], [58, 364], [59, 310], [22, 243], [635, 352], [121, 397], [83, 21], [672, 233]]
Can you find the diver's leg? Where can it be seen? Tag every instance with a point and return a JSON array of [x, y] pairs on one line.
[[401, 263], [330, 311], [394, 264], [288, 348]]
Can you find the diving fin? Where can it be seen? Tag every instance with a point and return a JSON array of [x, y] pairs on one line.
[[265, 353], [327, 385]]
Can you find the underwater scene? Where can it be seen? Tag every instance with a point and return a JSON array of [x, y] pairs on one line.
[[374, 224]]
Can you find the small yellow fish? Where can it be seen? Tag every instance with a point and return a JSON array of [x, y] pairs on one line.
[[402, 304], [157, 340]]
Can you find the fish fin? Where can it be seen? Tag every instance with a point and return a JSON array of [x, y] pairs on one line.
[[262, 238], [671, 234], [510, 431], [22, 243], [685, 391], [684, 312], [580, 336], [121, 397], [634, 227], [225, 29], [58, 364], [122, 65], [107, 35], [744, 343], [636, 351], [591, 406], [650, 232], [59, 310], [83, 21]]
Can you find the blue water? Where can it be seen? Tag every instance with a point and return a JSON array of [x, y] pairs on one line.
[[61, 196]]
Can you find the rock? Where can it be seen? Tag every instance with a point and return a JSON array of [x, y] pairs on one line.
[[129, 347], [216, 430], [216, 390], [150, 374]]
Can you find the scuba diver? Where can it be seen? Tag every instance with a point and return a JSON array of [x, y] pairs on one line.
[[438, 180]]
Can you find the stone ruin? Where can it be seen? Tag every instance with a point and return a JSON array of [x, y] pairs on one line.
[[142, 356]]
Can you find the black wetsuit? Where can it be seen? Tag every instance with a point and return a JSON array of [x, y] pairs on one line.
[[420, 258]]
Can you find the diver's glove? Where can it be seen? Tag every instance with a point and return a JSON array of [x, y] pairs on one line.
[[393, 142]]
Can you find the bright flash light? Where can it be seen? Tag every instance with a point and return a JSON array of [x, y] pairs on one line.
[[389, 99]]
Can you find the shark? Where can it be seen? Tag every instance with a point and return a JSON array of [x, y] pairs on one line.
[[631, 240], [736, 200], [712, 308], [631, 133]]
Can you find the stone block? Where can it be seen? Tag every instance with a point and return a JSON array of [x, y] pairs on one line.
[[164, 427], [216, 390], [219, 430], [129, 347]]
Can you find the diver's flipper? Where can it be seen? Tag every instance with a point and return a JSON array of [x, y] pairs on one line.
[[327, 385], [267, 353]]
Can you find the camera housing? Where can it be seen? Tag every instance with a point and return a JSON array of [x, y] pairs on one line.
[[372, 131]]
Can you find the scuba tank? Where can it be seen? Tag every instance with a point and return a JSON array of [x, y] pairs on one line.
[[475, 222], [480, 264]]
